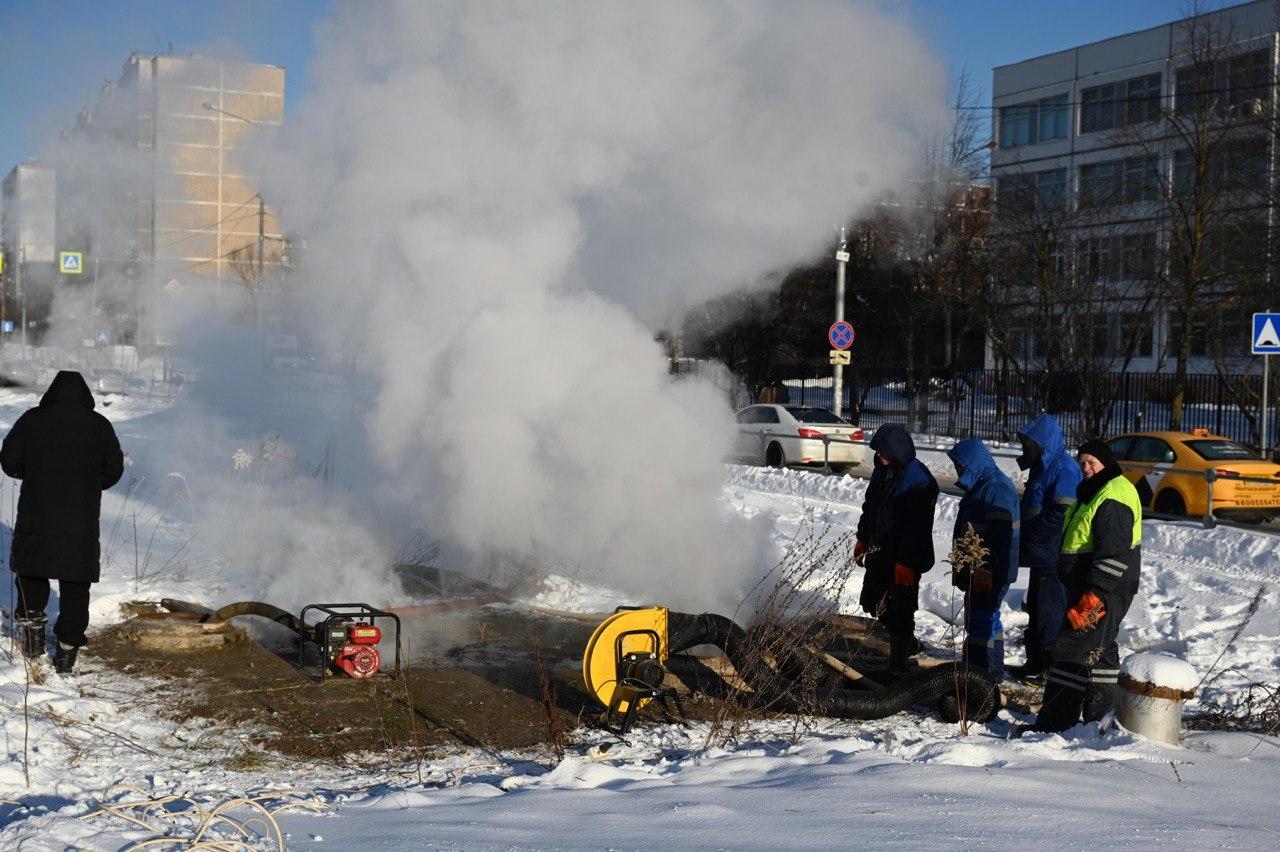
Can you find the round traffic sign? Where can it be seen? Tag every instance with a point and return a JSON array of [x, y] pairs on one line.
[[841, 335]]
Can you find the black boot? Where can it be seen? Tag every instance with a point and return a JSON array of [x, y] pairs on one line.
[[901, 647], [64, 659], [1099, 700], [30, 634], [1038, 659]]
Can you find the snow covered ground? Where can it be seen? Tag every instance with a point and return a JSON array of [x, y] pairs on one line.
[[909, 781]]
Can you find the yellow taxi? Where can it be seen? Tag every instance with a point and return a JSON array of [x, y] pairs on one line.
[[1149, 459]]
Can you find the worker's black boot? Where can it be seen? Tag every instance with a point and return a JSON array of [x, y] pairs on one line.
[[1037, 662], [64, 659], [30, 635], [902, 646], [1099, 700]]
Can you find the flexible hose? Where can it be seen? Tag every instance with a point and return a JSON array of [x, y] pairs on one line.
[[943, 685], [266, 610]]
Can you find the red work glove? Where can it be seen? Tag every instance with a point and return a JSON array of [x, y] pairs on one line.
[[859, 552], [903, 576], [980, 581], [1087, 612]]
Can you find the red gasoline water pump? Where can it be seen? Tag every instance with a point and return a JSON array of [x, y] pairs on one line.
[[345, 639]]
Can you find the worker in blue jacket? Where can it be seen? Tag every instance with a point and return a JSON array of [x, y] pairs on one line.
[[1053, 479], [990, 507]]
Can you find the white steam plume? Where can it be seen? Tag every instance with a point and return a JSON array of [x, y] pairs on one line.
[[503, 201]]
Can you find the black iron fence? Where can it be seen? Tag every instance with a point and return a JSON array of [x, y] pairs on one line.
[[995, 404]]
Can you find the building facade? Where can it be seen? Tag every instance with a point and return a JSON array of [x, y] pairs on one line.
[[1091, 152]]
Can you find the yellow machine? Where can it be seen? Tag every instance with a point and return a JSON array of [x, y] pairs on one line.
[[623, 665]]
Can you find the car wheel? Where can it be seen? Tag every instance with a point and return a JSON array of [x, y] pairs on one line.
[[1170, 502], [774, 457]]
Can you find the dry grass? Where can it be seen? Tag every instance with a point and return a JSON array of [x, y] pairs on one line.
[[793, 605], [968, 554], [557, 737]]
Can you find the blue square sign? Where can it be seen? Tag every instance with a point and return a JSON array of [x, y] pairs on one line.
[[1266, 334]]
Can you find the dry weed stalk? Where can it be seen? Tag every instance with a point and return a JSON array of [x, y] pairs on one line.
[[968, 554], [803, 592], [547, 694]]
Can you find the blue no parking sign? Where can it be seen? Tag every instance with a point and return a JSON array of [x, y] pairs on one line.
[[841, 335]]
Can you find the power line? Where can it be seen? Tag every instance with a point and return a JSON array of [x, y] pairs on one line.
[[193, 233]]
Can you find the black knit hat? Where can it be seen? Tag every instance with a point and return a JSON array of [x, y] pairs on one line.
[[1097, 448]]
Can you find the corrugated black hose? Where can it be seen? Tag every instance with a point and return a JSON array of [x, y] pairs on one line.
[[938, 686]]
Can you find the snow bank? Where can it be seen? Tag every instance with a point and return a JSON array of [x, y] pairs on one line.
[[1161, 670]]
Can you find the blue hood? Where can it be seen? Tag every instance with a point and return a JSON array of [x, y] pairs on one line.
[[894, 441], [973, 457], [1046, 434]]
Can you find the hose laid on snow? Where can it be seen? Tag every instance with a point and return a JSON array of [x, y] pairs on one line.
[[940, 685], [266, 610]]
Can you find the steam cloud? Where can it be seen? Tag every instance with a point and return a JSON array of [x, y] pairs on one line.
[[503, 202]]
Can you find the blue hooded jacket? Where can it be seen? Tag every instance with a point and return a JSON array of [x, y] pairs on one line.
[[897, 514], [1050, 491], [990, 503]]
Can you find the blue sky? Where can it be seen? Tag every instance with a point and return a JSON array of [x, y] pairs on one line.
[[55, 54]]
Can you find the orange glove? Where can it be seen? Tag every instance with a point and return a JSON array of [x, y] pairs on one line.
[[1087, 612], [980, 581], [859, 552], [903, 576]]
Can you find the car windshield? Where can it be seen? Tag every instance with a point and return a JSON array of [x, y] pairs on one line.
[[1222, 450], [815, 415]]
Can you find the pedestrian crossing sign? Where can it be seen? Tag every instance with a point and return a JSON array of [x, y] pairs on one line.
[[1266, 334], [70, 262]]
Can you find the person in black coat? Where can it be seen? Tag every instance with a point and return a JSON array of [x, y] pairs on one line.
[[66, 455], [895, 538]]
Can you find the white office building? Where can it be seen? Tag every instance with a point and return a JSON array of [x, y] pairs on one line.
[[1060, 123]]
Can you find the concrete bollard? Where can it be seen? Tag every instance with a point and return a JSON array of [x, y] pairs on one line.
[[1152, 689]]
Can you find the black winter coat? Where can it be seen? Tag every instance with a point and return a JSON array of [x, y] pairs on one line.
[[897, 513], [66, 455]]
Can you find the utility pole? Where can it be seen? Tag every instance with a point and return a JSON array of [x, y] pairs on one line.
[[1266, 405], [837, 380], [262, 238], [22, 296]]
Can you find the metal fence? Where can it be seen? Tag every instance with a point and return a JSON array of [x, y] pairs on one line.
[[995, 404]]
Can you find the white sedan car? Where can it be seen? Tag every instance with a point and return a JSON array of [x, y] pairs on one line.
[[783, 435]]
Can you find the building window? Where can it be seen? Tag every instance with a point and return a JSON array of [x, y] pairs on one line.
[[1248, 79], [1140, 180], [1051, 188], [1240, 85], [1100, 184], [1015, 125], [1122, 104], [1119, 181], [1199, 338], [1238, 166], [1030, 191], [1053, 118], [1036, 121], [1142, 99], [1138, 257], [1097, 261], [1136, 335]]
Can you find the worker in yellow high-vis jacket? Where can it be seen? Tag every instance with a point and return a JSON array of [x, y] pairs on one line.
[[1100, 564]]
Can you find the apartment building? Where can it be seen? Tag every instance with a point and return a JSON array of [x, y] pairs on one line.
[[1085, 129]]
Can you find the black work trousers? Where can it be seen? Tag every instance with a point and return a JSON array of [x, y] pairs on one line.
[[1084, 677], [73, 606]]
